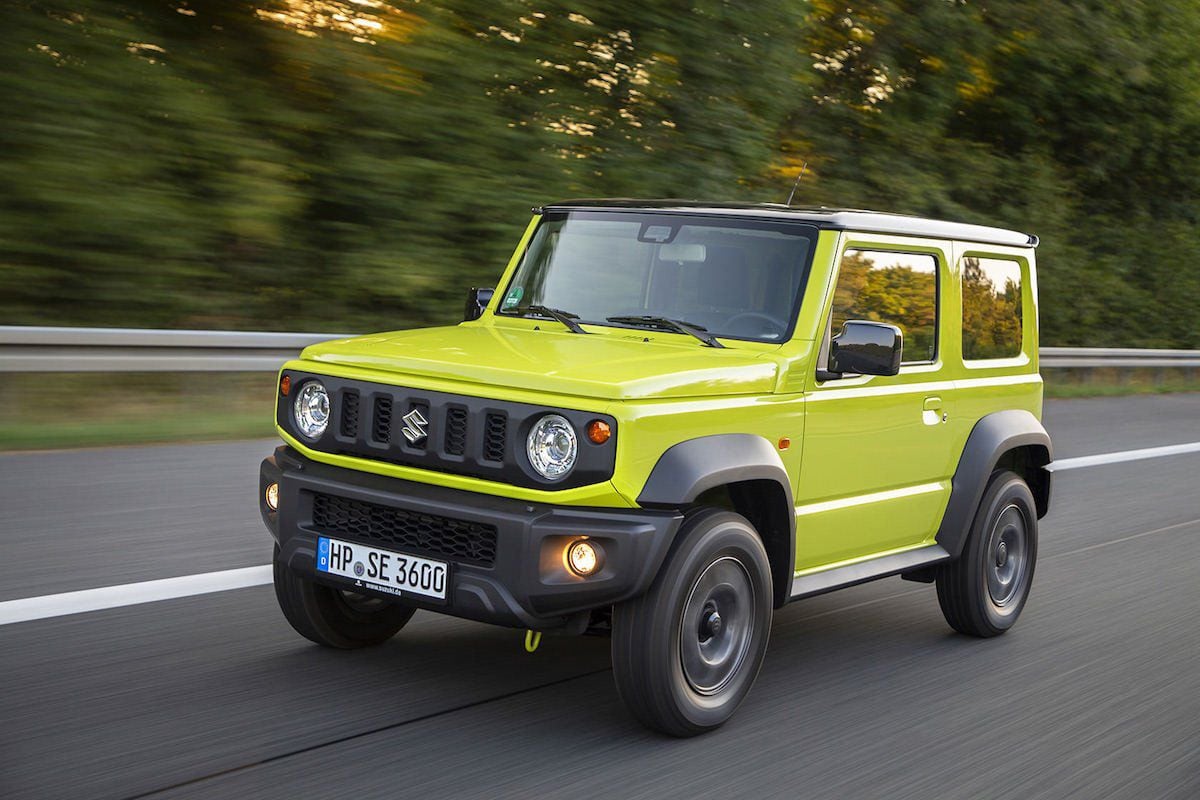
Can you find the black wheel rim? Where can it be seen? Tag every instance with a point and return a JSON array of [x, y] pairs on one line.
[[717, 626], [1007, 557]]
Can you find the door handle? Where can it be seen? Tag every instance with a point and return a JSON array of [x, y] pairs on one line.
[[931, 411]]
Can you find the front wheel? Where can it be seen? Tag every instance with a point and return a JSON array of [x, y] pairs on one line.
[[983, 591], [686, 653], [335, 617]]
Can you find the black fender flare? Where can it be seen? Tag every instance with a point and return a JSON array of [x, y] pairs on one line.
[[688, 469], [994, 435]]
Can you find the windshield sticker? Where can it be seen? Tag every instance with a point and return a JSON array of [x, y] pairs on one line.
[[656, 233], [513, 297]]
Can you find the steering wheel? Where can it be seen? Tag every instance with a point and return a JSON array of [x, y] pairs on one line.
[[777, 325]]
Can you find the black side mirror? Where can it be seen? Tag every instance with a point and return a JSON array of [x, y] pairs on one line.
[[864, 348], [477, 301]]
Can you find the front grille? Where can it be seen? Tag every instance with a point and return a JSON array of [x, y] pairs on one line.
[[349, 413], [381, 427], [495, 432], [456, 430], [455, 434], [453, 539]]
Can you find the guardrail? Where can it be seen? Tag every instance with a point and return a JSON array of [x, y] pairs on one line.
[[28, 349], [1121, 357], [25, 349]]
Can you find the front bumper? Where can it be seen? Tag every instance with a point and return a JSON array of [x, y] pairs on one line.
[[525, 585]]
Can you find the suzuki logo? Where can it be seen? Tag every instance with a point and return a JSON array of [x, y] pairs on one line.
[[414, 426]]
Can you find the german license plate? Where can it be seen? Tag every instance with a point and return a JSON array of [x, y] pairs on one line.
[[382, 570]]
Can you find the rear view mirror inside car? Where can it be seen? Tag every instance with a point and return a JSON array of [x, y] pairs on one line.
[[695, 253]]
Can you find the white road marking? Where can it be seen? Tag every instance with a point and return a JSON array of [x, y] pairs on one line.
[[1124, 455], [131, 594], [1128, 538]]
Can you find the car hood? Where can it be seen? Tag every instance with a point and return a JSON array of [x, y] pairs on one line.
[[618, 364]]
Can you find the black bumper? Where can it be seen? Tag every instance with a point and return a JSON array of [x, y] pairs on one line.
[[521, 581]]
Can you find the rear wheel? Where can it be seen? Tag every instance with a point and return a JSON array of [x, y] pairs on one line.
[[686, 653], [983, 592], [335, 617]]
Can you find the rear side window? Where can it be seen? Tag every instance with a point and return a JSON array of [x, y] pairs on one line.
[[991, 289], [897, 288]]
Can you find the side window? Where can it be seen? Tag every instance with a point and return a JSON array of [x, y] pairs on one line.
[[991, 293], [897, 288]]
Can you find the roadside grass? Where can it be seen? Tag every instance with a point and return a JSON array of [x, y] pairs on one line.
[[54, 410], [1070, 391], [1072, 383], [60, 434]]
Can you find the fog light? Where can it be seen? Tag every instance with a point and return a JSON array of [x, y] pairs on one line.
[[272, 496], [585, 557]]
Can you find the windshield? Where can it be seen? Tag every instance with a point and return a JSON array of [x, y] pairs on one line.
[[734, 278]]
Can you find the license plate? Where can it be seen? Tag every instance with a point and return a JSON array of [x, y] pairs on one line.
[[382, 570]]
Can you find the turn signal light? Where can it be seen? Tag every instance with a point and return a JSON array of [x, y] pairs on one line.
[[585, 557], [598, 431], [285, 385], [272, 496]]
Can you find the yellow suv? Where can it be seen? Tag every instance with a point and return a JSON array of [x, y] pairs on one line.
[[671, 419]]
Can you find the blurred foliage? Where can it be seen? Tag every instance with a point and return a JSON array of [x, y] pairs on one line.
[[897, 291], [356, 164], [991, 312]]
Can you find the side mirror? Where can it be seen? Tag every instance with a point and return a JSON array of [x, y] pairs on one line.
[[477, 301], [864, 348]]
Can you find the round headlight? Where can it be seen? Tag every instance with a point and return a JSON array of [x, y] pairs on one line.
[[552, 447], [311, 410]]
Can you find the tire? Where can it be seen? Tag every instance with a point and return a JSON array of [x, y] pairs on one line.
[[983, 592], [335, 617], [660, 640]]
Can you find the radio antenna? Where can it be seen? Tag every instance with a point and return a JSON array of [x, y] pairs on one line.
[[799, 178]]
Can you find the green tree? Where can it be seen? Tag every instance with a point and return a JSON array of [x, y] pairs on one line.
[[342, 165]]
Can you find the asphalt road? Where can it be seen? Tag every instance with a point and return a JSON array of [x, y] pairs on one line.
[[865, 692]]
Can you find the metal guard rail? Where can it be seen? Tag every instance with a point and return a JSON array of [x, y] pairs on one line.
[[35, 349], [30, 349]]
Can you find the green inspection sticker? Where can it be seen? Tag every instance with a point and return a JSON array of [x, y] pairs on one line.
[[513, 297]]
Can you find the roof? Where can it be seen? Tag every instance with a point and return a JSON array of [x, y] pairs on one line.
[[822, 217]]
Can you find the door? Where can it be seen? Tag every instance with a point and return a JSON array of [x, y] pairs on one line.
[[877, 460]]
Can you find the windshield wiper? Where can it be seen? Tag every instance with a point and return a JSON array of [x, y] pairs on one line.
[[558, 315], [676, 325]]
